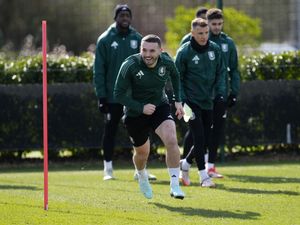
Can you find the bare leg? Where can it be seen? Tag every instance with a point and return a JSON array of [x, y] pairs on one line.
[[139, 159], [140, 155], [167, 133]]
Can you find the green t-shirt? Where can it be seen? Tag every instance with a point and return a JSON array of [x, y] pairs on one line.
[[138, 85]]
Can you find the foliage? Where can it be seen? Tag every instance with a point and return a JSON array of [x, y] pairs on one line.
[[244, 30], [61, 69], [269, 66]]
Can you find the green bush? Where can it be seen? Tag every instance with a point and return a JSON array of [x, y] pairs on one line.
[[270, 66], [247, 33], [61, 69]]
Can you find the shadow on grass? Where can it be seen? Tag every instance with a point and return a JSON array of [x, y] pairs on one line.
[[167, 182], [209, 213], [237, 190], [19, 187], [258, 179], [256, 191]]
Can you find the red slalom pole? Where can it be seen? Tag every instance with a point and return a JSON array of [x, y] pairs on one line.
[[45, 112]]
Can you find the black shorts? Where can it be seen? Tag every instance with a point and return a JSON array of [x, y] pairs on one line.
[[139, 127]]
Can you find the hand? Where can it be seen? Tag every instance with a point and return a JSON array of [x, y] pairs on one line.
[[179, 110], [149, 109], [219, 104], [231, 101], [219, 98], [103, 106]]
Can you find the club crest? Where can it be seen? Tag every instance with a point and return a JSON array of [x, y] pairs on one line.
[[211, 55], [224, 47], [133, 44], [162, 71]]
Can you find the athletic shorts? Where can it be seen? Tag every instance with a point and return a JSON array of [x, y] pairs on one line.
[[139, 127]]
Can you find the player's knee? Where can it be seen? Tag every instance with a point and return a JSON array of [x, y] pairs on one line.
[[171, 142]]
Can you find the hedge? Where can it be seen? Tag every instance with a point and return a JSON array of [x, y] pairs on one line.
[[270, 66], [262, 114], [61, 69]]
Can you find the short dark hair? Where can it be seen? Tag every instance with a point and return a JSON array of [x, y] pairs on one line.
[[198, 22], [200, 12], [214, 13], [152, 38]]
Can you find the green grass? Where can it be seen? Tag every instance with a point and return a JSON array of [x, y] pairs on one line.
[[263, 193]]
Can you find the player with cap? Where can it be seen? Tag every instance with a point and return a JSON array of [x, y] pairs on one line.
[[118, 42]]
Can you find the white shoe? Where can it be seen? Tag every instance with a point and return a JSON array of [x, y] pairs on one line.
[[184, 176], [145, 188], [150, 176], [176, 192], [208, 183], [108, 175]]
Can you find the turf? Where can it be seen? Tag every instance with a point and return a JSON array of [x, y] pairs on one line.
[[262, 193]]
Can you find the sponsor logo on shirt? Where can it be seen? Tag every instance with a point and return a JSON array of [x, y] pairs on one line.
[[196, 59], [162, 71], [224, 47], [114, 45], [139, 74], [211, 55], [133, 44]]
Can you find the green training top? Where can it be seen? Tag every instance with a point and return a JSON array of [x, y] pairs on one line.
[[229, 53], [231, 62], [201, 74], [186, 38], [138, 85], [112, 49]]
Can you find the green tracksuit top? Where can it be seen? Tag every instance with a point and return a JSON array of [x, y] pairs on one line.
[[231, 62], [229, 52], [186, 38], [201, 74], [138, 85], [112, 49]]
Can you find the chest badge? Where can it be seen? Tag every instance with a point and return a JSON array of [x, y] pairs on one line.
[[224, 47], [133, 44], [211, 55], [162, 71]]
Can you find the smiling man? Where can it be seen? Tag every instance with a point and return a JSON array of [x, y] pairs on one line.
[[118, 42], [140, 86]]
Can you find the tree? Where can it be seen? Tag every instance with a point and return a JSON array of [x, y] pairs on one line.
[[245, 31]]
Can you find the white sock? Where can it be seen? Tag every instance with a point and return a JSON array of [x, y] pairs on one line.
[[206, 157], [174, 176], [210, 165], [142, 173], [203, 175], [185, 165], [107, 165]]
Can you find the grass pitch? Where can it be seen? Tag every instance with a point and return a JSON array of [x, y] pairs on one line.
[[263, 193]]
